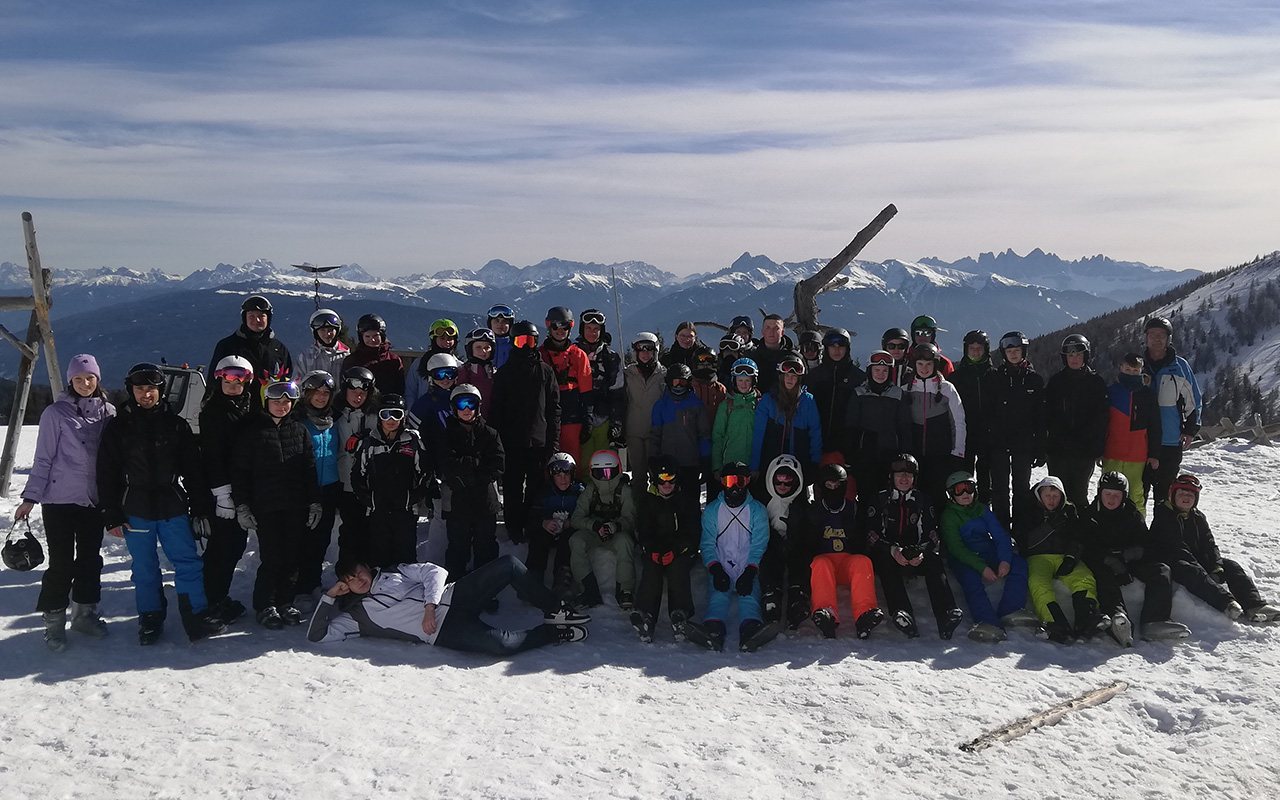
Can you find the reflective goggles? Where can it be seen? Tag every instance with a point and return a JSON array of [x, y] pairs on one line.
[[882, 358], [835, 340], [665, 477], [784, 479], [318, 382], [466, 403], [443, 330], [560, 467], [525, 342], [560, 326], [281, 390], [148, 377], [444, 373], [594, 317], [234, 375], [791, 367], [502, 312], [743, 369], [964, 487], [645, 347], [905, 467], [604, 473], [358, 383], [1074, 349], [733, 481], [391, 413], [679, 383], [814, 346]]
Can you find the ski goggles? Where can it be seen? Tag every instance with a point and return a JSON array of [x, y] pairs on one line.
[[145, 376], [783, 479], [321, 380], [391, 413], [964, 487], [664, 477], [326, 321], [679, 383], [814, 346], [560, 326], [905, 467], [730, 345], [881, 357], [466, 403], [605, 473], [734, 481], [739, 370], [234, 375], [593, 317], [444, 331], [791, 367], [1074, 349], [645, 347], [502, 312], [281, 390], [896, 344], [444, 373], [705, 360], [525, 342], [835, 340], [360, 384], [560, 468]]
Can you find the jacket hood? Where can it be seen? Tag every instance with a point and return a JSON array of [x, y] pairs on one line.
[[1046, 482], [784, 462]]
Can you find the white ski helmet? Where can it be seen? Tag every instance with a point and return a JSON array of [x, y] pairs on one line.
[[465, 390], [605, 465], [644, 337], [325, 317], [233, 362], [442, 360]]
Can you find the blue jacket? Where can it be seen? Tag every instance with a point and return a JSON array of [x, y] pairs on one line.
[[680, 430], [737, 540], [501, 350], [326, 446], [1178, 394], [774, 435]]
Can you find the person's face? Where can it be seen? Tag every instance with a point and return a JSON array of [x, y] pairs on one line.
[[371, 338], [446, 342], [837, 351], [356, 397], [466, 414], [1111, 499], [481, 351], [1075, 361], [921, 338], [389, 426], [279, 407], [1184, 499], [1050, 498], [499, 326], [743, 332], [1130, 369], [666, 489], [444, 383], [924, 367], [903, 481], [687, 337], [645, 356], [897, 348], [361, 581], [327, 334], [743, 383], [591, 332], [1157, 341], [256, 321], [560, 332], [1013, 355], [810, 350], [790, 380], [975, 350], [772, 332], [320, 397], [233, 388], [965, 499], [84, 384], [880, 373], [784, 484], [562, 480], [146, 396]]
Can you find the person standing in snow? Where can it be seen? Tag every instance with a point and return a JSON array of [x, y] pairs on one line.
[[256, 342], [444, 340], [328, 352], [645, 381], [967, 378], [499, 320], [374, 353], [63, 481], [608, 400], [681, 351], [471, 463], [392, 474], [1075, 414], [877, 426], [1013, 412], [317, 416], [809, 345], [680, 433], [477, 368], [356, 416], [774, 348], [1178, 394], [938, 424], [786, 422], [667, 532], [573, 377], [832, 383], [924, 330], [1133, 429]]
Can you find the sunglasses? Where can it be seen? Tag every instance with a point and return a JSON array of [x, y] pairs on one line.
[[280, 391], [791, 368], [560, 326], [502, 312], [734, 481], [444, 373], [234, 375], [525, 341], [895, 346], [964, 488], [882, 358], [358, 383], [391, 413], [593, 317], [604, 473], [466, 403], [922, 332]]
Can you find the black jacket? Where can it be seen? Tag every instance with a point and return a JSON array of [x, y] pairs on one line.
[[608, 400], [526, 403], [391, 475], [877, 424], [1112, 532], [822, 530], [666, 524], [1013, 409], [832, 384], [141, 458], [1179, 537], [767, 360], [273, 466], [900, 519], [967, 378], [221, 420], [471, 462], [268, 355], [1058, 532], [1076, 412]]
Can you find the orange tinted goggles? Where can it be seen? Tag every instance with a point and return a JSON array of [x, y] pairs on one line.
[[733, 481]]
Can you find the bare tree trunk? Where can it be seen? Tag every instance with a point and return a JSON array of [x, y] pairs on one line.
[[807, 290]]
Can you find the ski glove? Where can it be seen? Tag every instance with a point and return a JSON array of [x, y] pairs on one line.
[[719, 578], [225, 509], [617, 440], [606, 530], [746, 581], [1068, 564], [314, 512], [200, 530], [245, 518]]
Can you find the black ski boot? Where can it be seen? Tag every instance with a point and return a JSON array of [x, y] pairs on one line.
[[771, 605], [1059, 630], [708, 634], [866, 623], [797, 610], [1090, 621], [826, 622], [678, 620], [201, 624], [643, 624], [949, 622], [754, 634], [626, 600], [589, 597], [562, 584], [906, 623], [150, 626]]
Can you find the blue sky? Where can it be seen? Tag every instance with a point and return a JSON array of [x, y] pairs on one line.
[[413, 137]]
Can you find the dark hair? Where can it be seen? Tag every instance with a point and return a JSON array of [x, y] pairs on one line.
[[1133, 360], [347, 566], [778, 317]]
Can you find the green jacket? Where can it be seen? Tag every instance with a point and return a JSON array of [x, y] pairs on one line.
[[974, 537], [733, 433]]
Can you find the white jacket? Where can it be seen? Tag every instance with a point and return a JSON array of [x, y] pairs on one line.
[[392, 609]]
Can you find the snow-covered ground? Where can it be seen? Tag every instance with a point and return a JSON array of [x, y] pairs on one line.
[[259, 714]]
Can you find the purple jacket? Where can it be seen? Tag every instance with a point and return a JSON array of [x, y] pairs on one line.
[[65, 468]]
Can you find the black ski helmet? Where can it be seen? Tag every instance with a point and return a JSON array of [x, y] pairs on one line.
[[676, 372], [705, 360], [1160, 323], [893, 334], [837, 336], [144, 374], [392, 401], [1075, 343], [926, 351], [809, 337], [525, 328], [924, 325], [742, 321], [358, 378], [904, 462], [837, 474], [1014, 339], [371, 322], [255, 302], [559, 314], [978, 336], [1113, 480]]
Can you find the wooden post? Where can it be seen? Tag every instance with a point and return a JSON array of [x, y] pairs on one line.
[[1050, 716], [40, 280], [26, 368]]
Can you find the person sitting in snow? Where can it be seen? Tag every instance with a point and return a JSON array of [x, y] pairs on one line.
[[667, 530], [418, 603], [1180, 532], [1051, 538], [785, 564], [605, 517], [547, 527]]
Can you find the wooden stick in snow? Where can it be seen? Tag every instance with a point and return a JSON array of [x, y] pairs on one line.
[[1049, 716]]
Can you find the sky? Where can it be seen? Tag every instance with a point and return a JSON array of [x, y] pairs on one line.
[[415, 137]]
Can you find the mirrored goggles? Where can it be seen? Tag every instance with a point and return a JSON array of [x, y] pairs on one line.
[[743, 369], [444, 373], [791, 368], [561, 467], [283, 389], [502, 312], [594, 317], [444, 331], [466, 403], [391, 413], [234, 375], [882, 358], [358, 383], [665, 477], [604, 473], [733, 481], [964, 487], [525, 342]]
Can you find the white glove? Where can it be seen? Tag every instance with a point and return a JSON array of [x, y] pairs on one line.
[[245, 517], [226, 509], [314, 512]]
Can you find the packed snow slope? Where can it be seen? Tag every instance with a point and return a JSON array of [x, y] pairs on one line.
[[258, 714]]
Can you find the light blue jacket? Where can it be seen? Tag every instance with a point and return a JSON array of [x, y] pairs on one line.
[[1178, 395], [734, 537]]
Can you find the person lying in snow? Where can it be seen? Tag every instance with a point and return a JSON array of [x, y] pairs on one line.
[[418, 603]]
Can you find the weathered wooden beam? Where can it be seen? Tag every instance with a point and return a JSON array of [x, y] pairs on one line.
[[17, 303], [806, 291], [1050, 716], [40, 284]]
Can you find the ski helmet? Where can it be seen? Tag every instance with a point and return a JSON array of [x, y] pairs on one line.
[[479, 335], [812, 338], [731, 343], [255, 302], [1075, 343], [324, 318], [1112, 479], [443, 361], [561, 462], [1014, 339], [837, 336], [464, 396], [742, 321], [791, 364], [144, 374], [644, 340], [833, 473], [559, 317], [904, 462], [958, 482], [665, 472], [893, 335], [679, 372], [317, 379], [1187, 482], [24, 553], [234, 368], [1158, 323], [524, 336], [880, 358], [745, 367], [735, 476], [924, 325], [444, 328], [926, 351], [605, 465], [705, 360], [358, 378], [392, 406], [371, 322], [501, 311], [978, 336]]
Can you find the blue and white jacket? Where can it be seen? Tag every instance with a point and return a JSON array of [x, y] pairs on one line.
[[1178, 395]]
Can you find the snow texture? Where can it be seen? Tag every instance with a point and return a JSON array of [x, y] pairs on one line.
[[259, 714]]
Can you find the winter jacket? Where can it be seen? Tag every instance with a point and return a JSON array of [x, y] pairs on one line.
[[675, 354], [551, 503], [1013, 408], [666, 524], [877, 423], [832, 385], [392, 609], [480, 375], [605, 501], [734, 538], [1133, 429], [391, 475], [268, 355], [767, 361], [937, 417], [471, 464], [325, 359], [387, 369], [526, 404], [974, 537], [325, 444], [608, 401], [779, 506], [968, 382], [1060, 532], [733, 435], [66, 459], [773, 434], [1076, 413], [501, 350], [429, 413], [895, 518], [1111, 532], [353, 425], [945, 366], [573, 378], [273, 467], [679, 430], [1178, 394], [1183, 537], [141, 458], [822, 529], [642, 394], [712, 393], [222, 420]]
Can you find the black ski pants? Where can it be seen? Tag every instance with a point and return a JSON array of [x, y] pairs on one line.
[[1236, 585], [74, 537], [1157, 599], [280, 537], [393, 538], [470, 538], [1075, 473], [463, 629], [542, 546], [892, 583], [353, 531], [315, 541], [1155, 482], [679, 585], [226, 545], [521, 478], [1010, 470]]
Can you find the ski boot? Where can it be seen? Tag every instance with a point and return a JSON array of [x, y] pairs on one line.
[[826, 622], [797, 611], [1121, 629], [150, 626], [754, 634], [55, 630], [228, 610], [867, 622], [86, 619], [678, 620], [1058, 629], [1090, 621], [987, 633], [1233, 611], [643, 625], [771, 605], [906, 623], [949, 622], [709, 634], [1021, 618], [269, 618], [289, 614], [1165, 629], [589, 597], [626, 600], [1263, 613]]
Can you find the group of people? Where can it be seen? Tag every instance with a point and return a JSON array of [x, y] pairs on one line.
[[817, 472]]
